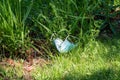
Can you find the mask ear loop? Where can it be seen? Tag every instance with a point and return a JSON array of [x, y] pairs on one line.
[[71, 37], [53, 36], [67, 37]]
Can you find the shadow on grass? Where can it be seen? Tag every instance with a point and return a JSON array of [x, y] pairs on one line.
[[113, 46], [108, 74]]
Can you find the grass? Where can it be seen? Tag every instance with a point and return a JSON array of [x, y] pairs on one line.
[[24, 22], [98, 61], [14, 33]]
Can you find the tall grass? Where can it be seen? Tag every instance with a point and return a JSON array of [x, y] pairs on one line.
[[62, 18], [13, 30], [72, 17], [68, 18]]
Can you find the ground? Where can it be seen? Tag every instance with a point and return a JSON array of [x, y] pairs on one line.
[[98, 60]]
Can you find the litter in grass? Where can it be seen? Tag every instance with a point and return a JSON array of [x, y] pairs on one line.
[[63, 46]]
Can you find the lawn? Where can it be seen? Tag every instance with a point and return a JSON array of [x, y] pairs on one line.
[[97, 61]]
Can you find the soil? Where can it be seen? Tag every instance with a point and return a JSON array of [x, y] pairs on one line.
[[25, 66]]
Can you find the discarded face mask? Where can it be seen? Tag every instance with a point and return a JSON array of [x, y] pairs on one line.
[[63, 46]]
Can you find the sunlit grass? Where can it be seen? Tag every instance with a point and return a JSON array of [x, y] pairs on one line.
[[97, 61]]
